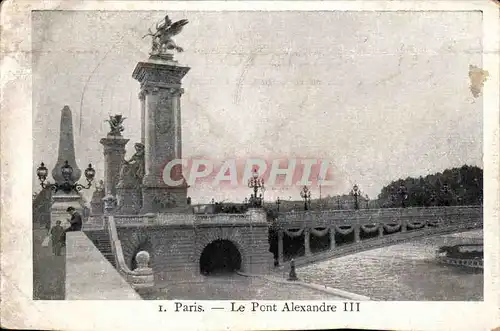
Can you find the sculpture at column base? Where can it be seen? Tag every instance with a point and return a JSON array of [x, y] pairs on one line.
[[164, 199], [128, 190]]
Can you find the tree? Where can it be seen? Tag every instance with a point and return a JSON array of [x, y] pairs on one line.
[[456, 186]]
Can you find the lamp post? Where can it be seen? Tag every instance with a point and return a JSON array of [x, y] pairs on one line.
[[255, 183], [355, 192], [278, 203], [67, 186], [306, 195], [403, 193]]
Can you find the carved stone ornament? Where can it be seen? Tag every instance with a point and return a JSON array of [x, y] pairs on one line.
[[115, 125], [161, 40]]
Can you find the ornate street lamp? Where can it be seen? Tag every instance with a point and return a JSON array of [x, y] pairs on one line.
[[67, 186], [306, 195], [255, 183], [355, 192], [278, 203], [403, 192]]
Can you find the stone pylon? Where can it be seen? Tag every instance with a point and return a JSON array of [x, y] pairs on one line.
[[114, 154], [60, 200], [160, 96], [66, 148]]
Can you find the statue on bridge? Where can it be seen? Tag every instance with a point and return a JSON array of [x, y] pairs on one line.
[[115, 125], [132, 171], [162, 41]]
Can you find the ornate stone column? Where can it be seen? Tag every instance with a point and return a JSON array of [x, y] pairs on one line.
[[307, 239], [280, 247], [161, 86], [114, 153]]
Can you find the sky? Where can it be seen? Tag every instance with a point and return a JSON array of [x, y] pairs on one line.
[[381, 95]]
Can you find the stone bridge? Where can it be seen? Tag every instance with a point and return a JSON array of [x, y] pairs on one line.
[[310, 237], [183, 246]]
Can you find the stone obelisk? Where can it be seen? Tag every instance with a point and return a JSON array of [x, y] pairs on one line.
[[160, 78], [61, 200]]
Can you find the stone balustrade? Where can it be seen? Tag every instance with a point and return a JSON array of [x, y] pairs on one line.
[[89, 276], [94, 222], [369, 216], [140, 278], [190, 220], [392, 225], [134, 220]]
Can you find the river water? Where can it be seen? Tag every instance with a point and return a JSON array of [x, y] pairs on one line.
[[404, 272]]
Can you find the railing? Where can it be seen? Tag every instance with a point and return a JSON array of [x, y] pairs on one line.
[[222, 219], [139, 278], [386, 240], [370, 216], [132, 220], [94, 222], [183, 219]]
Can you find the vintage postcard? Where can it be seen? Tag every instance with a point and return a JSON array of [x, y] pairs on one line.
[[250, 165]]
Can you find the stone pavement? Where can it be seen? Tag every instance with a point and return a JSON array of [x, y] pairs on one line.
[[49, 271], [236, 287]]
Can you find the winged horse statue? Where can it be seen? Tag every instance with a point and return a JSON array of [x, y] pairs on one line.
[[162, 38]]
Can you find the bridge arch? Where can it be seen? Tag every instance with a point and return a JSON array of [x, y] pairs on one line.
[[220, 256], [224, 249]]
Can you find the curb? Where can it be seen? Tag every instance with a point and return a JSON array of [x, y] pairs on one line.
[[321, 288]]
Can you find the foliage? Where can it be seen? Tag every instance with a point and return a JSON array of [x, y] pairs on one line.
[[457, 186]]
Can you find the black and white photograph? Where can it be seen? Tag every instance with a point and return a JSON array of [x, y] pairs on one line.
[[297, 160]]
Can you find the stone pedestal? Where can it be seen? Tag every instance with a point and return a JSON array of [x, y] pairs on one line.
[[61, 202], [129, 200], [114, 153], [161, 109]]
